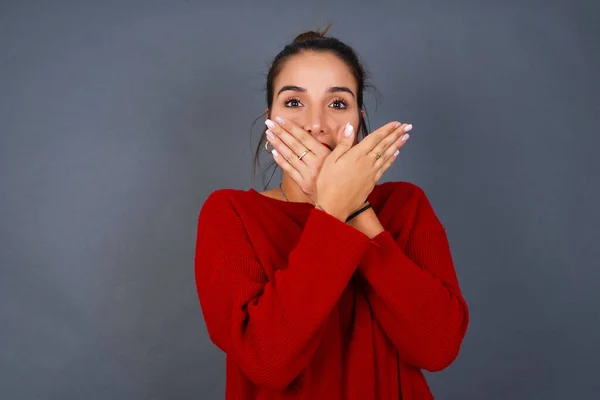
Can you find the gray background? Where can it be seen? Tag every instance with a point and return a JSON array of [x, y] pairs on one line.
[[118, 118]]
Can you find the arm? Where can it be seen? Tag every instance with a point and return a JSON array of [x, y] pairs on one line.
[[271, 328], [414, 294]]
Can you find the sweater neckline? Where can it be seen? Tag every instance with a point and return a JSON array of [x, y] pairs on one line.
[[294, 204], [281, 203]]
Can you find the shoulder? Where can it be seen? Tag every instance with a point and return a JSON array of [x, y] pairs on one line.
[[220, 215], [224, 198], [223, 194], [398, 193], [223, 206], [221, 229], [407, 201]]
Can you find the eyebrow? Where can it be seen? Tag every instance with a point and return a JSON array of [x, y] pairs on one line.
[[332, 89]]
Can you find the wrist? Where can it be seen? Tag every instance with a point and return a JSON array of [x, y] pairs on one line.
[[331, 210], [359, 207], [367, 223], [365, 207]]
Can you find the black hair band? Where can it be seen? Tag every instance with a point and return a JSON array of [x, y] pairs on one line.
[[356, 213]]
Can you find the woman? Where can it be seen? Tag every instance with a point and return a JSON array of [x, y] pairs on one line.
[[310, 291]]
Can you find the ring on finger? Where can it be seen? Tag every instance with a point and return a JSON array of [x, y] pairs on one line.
[[303, 154], [267, 147]]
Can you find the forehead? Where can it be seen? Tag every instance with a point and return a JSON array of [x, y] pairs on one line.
[[315, 72]]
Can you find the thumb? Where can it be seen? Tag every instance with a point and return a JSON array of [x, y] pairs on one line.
[[345, 141]]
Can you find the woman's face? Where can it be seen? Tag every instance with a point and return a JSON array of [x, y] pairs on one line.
[[318, 92]]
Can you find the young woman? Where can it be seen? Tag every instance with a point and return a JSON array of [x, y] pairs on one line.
[[310, 291]]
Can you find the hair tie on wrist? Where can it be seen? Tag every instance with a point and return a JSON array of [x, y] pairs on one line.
[[355, 214]]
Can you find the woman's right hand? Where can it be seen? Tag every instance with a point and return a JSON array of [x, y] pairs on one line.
[[350, 173]]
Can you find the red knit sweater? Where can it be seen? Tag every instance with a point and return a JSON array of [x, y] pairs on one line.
[[307, 307]]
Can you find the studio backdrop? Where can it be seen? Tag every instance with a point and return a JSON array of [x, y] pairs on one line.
[[119, 118]]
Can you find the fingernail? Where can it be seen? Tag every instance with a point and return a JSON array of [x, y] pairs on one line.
[[396, 153], [348, 130], [274, 152], [270, 124], [405, 137], [397, 125], [407, 128], [270, 135], [280, 120]]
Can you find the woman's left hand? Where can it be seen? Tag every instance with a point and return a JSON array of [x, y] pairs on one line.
[[298, 153]]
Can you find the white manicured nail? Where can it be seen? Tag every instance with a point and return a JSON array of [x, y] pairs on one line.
[[348, 130]]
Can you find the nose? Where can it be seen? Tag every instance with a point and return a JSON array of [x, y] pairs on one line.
[[314, 122]]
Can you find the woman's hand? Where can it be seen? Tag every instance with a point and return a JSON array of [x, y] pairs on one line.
[[349, 174], [298, 153]]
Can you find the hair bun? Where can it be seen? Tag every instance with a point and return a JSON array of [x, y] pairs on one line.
[[309, 35]]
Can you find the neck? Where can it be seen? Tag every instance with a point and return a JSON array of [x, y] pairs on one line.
[[292, 190]]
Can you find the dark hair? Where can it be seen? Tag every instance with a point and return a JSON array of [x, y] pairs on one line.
[[314, 41]]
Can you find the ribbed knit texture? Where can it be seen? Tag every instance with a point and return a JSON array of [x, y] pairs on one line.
[[307, 307]]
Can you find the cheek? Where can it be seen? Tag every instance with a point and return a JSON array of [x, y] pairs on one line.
[[352, 117], [293, 114], [341, 120], [274, 111]]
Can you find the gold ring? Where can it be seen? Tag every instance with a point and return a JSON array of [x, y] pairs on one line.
[[303, 154], [377, 155], [267, 147]]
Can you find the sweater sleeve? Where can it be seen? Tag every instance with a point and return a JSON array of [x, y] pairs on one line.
[[271, 328], [415, 295]]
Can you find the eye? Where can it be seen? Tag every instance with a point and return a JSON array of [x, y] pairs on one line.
[[340, 104], [292, 102]]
